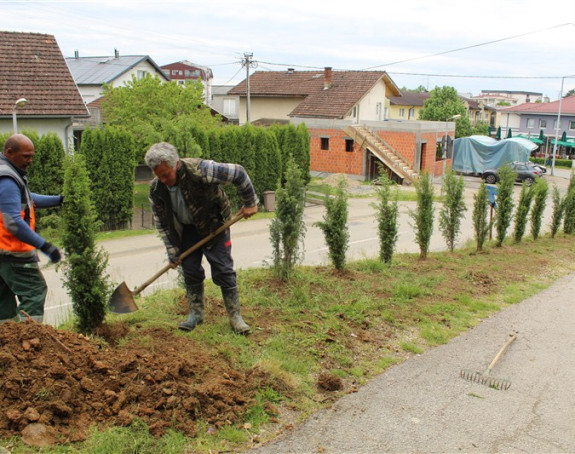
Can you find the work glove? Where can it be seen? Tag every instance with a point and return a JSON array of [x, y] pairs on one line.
[[51, 251]]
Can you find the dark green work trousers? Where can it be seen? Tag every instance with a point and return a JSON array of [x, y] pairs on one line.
[[25, 281]]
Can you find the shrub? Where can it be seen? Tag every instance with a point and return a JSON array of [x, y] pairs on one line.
[[453, 208], [287, 229], [480, 223], [539, 204], [423, 215], [85, 267], [557, 215], [504, 202], [334, 226], [387, 215], [523, 207]]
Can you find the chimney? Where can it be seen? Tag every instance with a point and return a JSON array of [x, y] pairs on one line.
[[76, 54], [116, 53], [327, 78]]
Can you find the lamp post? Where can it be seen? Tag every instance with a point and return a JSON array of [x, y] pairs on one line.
[[17, 105], [454, 117]]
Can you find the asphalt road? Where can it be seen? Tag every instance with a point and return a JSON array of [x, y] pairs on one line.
[[423, 405]]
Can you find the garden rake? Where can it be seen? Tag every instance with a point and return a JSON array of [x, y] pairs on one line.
[[485, 378]]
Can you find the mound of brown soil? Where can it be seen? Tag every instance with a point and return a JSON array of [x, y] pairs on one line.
[[55, 384]]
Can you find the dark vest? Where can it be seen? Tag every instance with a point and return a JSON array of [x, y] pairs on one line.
[[207, 202]]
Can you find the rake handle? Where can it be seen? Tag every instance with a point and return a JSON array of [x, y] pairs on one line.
[[500, 354], [239, 215]]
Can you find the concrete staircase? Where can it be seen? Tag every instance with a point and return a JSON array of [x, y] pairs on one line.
[[382, 151]]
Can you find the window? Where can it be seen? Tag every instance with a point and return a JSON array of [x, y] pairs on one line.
[[530, 123], [188, 73], [378, 111], [572, 125], [141, 74], [349, 145], [401, 112], [542, 124], [411, 113], [181, 82], [325, 143], [181, 72], [174, 72], [230, 108], [554, 124]]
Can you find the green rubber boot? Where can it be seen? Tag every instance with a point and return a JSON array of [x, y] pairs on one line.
[[232, 303], [195, 295]]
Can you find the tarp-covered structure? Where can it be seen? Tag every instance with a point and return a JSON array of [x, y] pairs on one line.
[[474, 154]]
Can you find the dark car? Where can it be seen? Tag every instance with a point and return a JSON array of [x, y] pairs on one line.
[[526, 171]]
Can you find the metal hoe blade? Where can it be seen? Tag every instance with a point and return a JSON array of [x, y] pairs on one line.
[[122, 300]]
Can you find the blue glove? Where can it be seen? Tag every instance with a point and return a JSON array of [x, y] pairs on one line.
[[52, 252]]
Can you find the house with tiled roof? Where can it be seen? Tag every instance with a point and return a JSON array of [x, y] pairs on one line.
[[185, 70], [346, 114], [409, 104], [555, 118], [33, 67], [91, 73], [281, 95]]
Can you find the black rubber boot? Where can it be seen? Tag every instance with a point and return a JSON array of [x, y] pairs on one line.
[[195, 295], [232, 303]]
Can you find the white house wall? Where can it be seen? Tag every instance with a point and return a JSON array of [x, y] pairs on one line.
[[276, 108], [60, 126], [368, 110]]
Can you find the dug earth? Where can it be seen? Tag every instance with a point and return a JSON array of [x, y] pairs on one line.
[[55, 385]]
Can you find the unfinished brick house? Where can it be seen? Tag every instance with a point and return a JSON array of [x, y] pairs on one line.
[[346, 113]]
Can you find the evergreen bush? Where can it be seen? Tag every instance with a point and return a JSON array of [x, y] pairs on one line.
[[334, 226], [85, 267], [523, 207], [287, 229], [539, 204], [481, 224], [423, 215], [452, 209], [387, 218], [504, 202]]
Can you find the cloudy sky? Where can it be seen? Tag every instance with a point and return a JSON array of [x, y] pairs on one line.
[[470, 45]]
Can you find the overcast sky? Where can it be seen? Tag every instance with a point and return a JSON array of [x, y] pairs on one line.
[[470, 45]]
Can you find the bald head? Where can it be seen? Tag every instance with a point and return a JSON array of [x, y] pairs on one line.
[[19, 150]]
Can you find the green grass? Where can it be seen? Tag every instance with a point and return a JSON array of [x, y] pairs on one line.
[[354, 325]]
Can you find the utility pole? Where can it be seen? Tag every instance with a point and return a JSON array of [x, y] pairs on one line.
[[248, 63]]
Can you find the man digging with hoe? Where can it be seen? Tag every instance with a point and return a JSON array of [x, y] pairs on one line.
[[189, 203]]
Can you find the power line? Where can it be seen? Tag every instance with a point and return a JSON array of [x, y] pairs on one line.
[[470, 47], [479, 77]]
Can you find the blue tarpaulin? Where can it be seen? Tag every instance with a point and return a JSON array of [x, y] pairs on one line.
[[475, 154]]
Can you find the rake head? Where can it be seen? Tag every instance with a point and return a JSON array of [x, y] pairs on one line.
[[484, 378]]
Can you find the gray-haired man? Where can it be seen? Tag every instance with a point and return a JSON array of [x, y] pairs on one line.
[[189, 203]]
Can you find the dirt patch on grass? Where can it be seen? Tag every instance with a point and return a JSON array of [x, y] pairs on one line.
[[54, 384]]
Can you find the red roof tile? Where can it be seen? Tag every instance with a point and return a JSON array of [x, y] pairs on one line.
[[347, 89], [567, 107], [32, 67]]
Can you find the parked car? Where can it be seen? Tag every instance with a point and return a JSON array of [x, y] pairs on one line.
[[526, 171], [539, 166]]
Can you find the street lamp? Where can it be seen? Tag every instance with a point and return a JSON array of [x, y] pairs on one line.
[[17, 105], [454, 117]]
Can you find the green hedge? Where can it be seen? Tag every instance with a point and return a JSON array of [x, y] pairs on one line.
[[567, 163]]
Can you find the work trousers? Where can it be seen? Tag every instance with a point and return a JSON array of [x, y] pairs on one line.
[[218, 253], [26, 282]]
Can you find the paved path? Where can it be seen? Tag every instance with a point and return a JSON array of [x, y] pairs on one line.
[[423, 405]]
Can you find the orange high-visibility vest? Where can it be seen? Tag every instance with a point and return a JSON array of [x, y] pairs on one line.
[[9, 244]]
